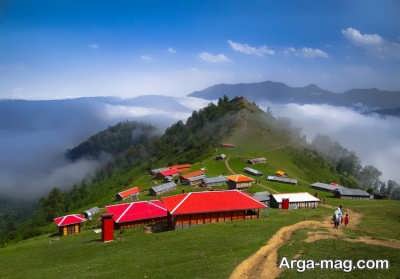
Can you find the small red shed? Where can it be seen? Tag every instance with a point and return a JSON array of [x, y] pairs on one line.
[[69, 224]]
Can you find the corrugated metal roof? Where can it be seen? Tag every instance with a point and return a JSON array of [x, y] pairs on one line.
[[295, 197], [325, 186], [252, 171], [282, 179], [262, 196], [164, 187], [195, 178], [215, 179], [156, 171], [352, 192]]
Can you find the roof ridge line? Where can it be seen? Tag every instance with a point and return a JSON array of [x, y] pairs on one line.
[[156, 205], [62, 220], [123, 213], [180, 203]]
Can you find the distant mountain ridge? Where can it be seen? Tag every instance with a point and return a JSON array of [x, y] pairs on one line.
[[277, 92]]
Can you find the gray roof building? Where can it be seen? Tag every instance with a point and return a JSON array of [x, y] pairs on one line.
[[326, 187], [352, 193], [252, 171], [262, 196], [162, 188], [282, 179], [214, 181]]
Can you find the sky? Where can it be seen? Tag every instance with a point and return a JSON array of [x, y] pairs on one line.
[[63, 49]]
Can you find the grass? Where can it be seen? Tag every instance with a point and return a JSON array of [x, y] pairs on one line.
[[189, 253]]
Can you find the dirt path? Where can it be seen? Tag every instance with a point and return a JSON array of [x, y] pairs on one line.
[[228, 167], [263, 263]]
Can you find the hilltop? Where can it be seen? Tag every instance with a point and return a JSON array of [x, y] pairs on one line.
[[219, 247], [277, 92]]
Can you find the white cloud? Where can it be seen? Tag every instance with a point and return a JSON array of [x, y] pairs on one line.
[[306, 52], [171, 50], [93, 46], [251, 50], [146, 57], [357, 38], [380, 148], [373, 43], [214, 58]]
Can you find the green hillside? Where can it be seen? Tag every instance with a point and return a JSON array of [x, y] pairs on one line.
[[213, 250]]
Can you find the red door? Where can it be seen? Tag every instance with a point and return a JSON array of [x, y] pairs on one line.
[[285, 203], [107, 228]]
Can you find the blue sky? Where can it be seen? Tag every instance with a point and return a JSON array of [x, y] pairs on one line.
[[58, 49]]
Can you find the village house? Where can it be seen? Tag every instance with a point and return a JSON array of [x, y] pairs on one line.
[[294, 200], [130, 215], [282, 179], [131, 193], [170, 172], [253, 171], [214, 181], [69, 224], [261, 160], [162, 188], [193, 178], [348, 193], [239, 181], [210, 207]]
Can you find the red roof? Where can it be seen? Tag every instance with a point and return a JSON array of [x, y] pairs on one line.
[[210, 201], [169, 172], [69, 220], [129, 192], [192, 174], [181, 166], [136, 211]]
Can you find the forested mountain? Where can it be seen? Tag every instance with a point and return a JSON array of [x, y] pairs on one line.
[[278, 92]]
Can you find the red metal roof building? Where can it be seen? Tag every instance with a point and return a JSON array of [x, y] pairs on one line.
[[211, 207], [169, 172], [128, 215], [69, 224], [181, 167], [131, 192]]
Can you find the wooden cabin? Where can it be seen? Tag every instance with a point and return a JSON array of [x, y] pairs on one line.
[[196, 208], [134, 214], [239, 181], [131, 193], [296, 200], [69, 224]]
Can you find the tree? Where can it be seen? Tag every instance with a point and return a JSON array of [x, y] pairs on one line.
[[369, 177]]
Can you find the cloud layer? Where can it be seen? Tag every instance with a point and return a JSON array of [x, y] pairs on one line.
[[251, 50], [376, 140]]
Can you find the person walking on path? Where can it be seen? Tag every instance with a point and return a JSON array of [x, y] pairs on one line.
[[337, 216], [346, 219]]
